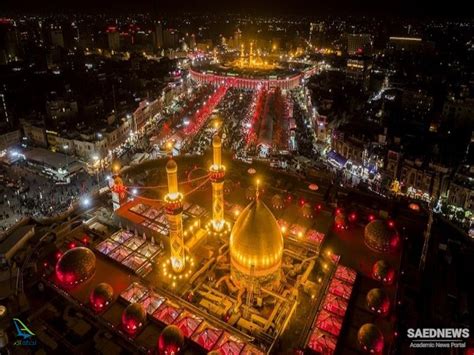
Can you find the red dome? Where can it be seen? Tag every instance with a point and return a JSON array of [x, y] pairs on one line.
[[381, 236], [101, 296], [133, 318], [370, 338], [75, 266], [377, 301], [382, 271], [171, 340]]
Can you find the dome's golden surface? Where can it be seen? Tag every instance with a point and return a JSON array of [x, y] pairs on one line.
[[256, 242]]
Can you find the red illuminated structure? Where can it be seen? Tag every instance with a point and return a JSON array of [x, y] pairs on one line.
[[381, 236], [370, 339], [101, 296], [340, 220], [203, 113], [133, 318], [75, 266], [378, 302], [119, 192], [382, 271], [287, 83], [171, 341]]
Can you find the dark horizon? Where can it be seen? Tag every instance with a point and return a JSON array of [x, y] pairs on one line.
[[404, 8]]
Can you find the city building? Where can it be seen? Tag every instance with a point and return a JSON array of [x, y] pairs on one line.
[[61, 110], [461, 189], [113, 38], [9, 41], [158, 35], [358, 70], [170, 38], [359, 44], [56, 36], [405, 43]]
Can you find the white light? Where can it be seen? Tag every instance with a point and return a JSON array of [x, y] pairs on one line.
[[86, 201], [134, 191]]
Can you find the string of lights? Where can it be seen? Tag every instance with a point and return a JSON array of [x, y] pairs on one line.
[[131, 187], [197, 187]]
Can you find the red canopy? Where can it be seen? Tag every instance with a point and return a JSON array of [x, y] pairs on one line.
[[346, 274], [335, 304], [207, 336], [322, 343], [166, 313], [134, 292], [229, 345], [329, 323], [188, 323], [315, 236], [340, 288]]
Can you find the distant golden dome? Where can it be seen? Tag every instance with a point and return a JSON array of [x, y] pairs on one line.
[[256, 245], [171, 166]]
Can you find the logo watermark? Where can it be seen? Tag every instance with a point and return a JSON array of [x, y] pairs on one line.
[[439, 338], [25, 335]]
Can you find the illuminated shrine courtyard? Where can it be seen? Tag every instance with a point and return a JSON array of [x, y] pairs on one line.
[[284, 272]]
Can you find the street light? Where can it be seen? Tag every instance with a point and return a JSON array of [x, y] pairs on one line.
[[116, 168], [86, 202], [96, 159]]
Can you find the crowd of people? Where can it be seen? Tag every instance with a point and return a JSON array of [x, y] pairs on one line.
[[26, 193]]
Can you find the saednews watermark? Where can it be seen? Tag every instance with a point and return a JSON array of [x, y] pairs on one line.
[[440, 338]]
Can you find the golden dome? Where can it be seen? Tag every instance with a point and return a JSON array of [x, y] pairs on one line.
[[256, 240]]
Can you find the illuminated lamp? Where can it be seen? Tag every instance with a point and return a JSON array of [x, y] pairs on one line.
[[171, 340], [414, 207]]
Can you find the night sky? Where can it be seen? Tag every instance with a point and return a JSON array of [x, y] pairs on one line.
[[417, 8]]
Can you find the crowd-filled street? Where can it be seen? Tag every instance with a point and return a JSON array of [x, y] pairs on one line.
[[24, 192]]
